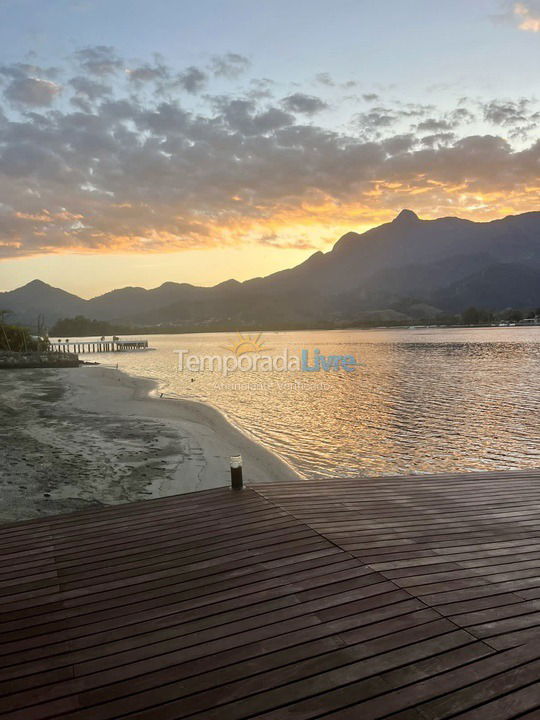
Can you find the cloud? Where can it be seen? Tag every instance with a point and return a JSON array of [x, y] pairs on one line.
[[325, 78], [518, 116], [275, 241], [130, 163], [164, 81], [377, 118], [100, 60], [438, 139], [89, 88], [230, 65], [242, 116], [33, 92], [21, 70], [434, 125], [461, 115], [28, 85], [260, 88], [506, 112], [193, 79], [528, 15], [166, 120], [305, 104], [380, 118], [148, 73]]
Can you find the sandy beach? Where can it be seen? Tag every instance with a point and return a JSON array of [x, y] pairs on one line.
[[71, 438]]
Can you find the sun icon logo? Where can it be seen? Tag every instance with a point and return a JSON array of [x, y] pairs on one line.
[[246, 344]]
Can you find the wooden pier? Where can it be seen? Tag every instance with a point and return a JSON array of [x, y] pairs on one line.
[[98, 346], [411, 598]]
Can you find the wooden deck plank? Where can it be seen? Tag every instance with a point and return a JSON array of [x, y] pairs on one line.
[[460, 544], [413, 597]]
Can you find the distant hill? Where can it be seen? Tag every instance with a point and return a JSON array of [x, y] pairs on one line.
[[36, 298], [445, 265]]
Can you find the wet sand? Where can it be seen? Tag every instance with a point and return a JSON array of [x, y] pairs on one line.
[[72, 438]]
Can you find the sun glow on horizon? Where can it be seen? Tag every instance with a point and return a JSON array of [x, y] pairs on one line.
[[246, 247]]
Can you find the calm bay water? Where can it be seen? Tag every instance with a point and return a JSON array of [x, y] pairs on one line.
[[425, 400]]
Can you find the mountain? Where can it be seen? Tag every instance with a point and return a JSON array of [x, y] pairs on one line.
[[36, 298], [446, 264], [450, 247], [491, 288]]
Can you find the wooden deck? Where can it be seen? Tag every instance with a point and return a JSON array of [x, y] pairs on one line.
[[411, 598]]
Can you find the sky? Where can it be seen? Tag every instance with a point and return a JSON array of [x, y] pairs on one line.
[[167, 140]]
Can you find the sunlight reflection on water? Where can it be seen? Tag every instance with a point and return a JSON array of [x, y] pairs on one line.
[[425, 400]]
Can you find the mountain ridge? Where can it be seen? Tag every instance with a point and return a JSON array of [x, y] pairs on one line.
[[446, 263]]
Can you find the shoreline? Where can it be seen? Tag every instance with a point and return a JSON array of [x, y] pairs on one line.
[[204, 414], [78, 437]]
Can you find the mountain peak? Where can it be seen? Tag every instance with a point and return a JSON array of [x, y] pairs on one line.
[[350, 236], [406, 216], [37, 284], [231, 283]]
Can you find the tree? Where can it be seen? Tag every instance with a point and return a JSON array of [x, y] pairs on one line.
[[17, 339], [515, 315], [471, 316], [82, 327]]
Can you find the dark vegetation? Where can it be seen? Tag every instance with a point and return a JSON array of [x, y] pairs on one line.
[[14, 338], [83, 327]]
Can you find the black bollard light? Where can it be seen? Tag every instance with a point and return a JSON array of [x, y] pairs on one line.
[[237, 482]]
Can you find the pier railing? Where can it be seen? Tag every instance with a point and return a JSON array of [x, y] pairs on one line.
[[97, 346]]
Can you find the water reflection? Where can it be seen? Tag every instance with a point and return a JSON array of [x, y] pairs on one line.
[[423, 400]]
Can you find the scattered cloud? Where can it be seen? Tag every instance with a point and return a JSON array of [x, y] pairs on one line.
[[242, 116], [524, 15], [148, 73], [89, 88], [260, 88], [518, 117], [121, 157], [33, 92], [507, 112], [304, 104], [377, 118], [193, 79], [528, 15], [461, 115], [438, 139], [29, 85], [284, 243], [100, 60], [434, 125], [325, 78], [230, 65]]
